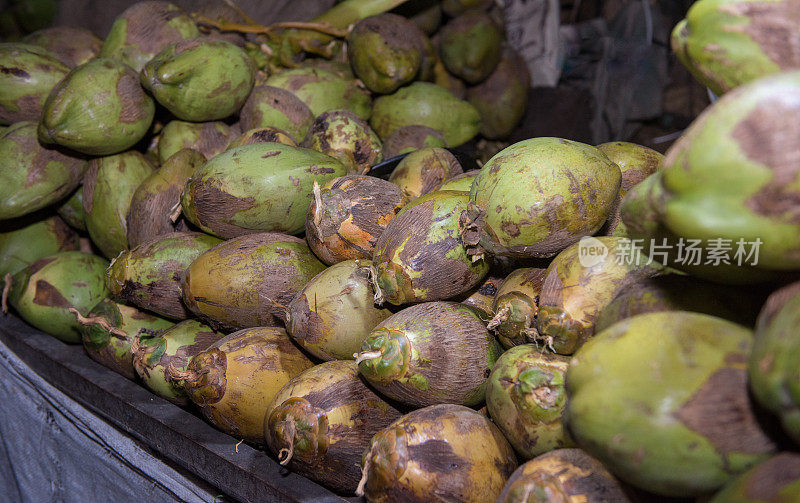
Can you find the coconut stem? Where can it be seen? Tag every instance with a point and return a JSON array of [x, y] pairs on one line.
[[365, 472], [285, 454], [173, 374], [175, 212], [367, 355], [373, 279], [500, 317], [222, 25], [99, 320], [317, 210], [6, 288], [242, 13]]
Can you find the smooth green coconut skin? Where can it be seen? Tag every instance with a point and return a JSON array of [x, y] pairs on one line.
[[385, 51], [200, 80], [43, 292], [72, 46], [322, 90], [71, 210], [776, 480], [107, 193], [148, 276], [538, 196], [31, 72], [426, 104], [144, 29], [24, 243], [661, 399], [502, 98], [113, 350], [99, 108], [208, 138], [32, 176], [526, 397], [773, 363], [471, 46], [255, 188], [732, 176], [431, 353], [726, 43], [333, 314], [421, 256], [172, 347]]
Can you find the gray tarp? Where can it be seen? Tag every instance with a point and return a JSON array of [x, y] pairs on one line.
[[53, 449]]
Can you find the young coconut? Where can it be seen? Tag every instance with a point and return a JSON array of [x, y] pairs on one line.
[[234, 380], [775, 480], [577, 288], [471, 46], [109, 330], [348, 215], [516, 306], [71, 210], [343, 135], [320, 423], [322, 90], [526, 397], [34, 176], [437, 352], [274, 107], [563, 475], [208, 138], [149, 276], [31, 73], [45, 291], [424, 171], [482, 298], [155, 206], [661, 399], [174, 347], [72, 46], [462, 182], [410, 138], [421, 257], [248, 281], [334, 312], [441, 453], [23, 242], [108, 189]]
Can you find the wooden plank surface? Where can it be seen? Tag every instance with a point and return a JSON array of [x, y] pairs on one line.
[[177, 435]]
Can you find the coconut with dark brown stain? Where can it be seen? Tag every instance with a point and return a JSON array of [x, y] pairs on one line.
[[275, 107], [321, 422], [437, 352], [145, 28], [45, 291], [442, 453], [343, 135], [424, 171], [71, 45], [234, 380], [34, 176], [577, 288], [776, 480], [349, 214], [421, 255], [526, 397], [108, 331], [154, 203], [334, 312], [149, 275], [248, 281], [563, 476], [482, 298], [267, 134], [27, 74], [410, 138], [385, 51], [208, 138], [173, 347], [322, 90], [261, 187], [516, 306], [661, 399]]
